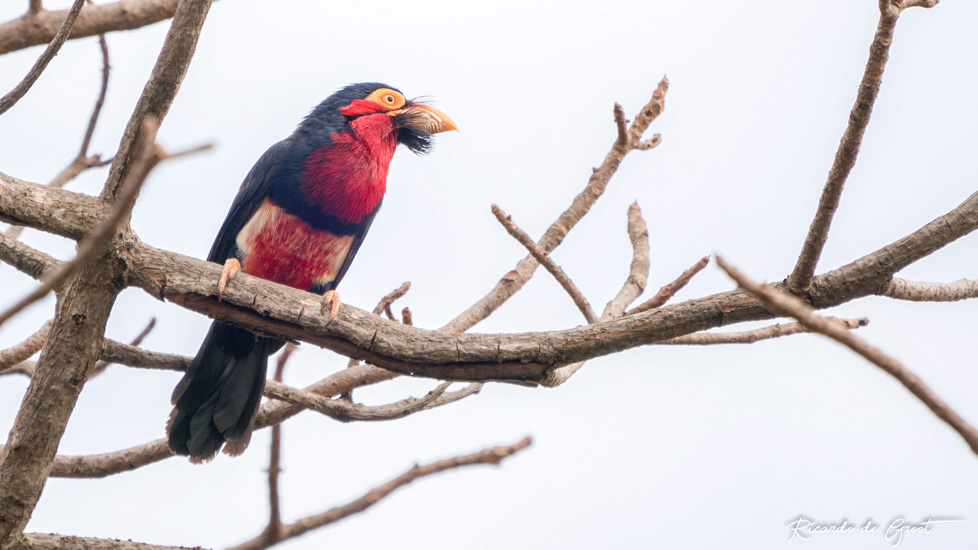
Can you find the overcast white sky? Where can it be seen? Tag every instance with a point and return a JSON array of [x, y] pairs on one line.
[[656, 447]]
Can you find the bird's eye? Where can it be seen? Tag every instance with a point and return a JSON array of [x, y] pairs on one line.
[[389, 99]]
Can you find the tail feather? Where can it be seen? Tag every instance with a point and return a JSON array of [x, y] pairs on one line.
[[217, 398]]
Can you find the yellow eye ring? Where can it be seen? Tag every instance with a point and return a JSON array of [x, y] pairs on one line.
[[389, 98]]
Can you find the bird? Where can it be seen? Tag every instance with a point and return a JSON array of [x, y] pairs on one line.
[[298, 219]]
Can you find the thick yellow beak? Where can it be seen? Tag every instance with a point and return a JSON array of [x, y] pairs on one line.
[[429, 119]]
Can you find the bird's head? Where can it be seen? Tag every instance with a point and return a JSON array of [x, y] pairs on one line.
[[413, 121]]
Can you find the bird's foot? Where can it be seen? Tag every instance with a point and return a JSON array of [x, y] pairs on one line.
[[231, 268], [331, 299]]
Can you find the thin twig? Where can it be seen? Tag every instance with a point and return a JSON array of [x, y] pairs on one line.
[[751, 336], [35, 6], [21, 89], [670, 290], [165, 155], [788, 306], [13, 356], [92, 244], [638, 271], [845, 157], [275, 456], [93, 120], [493, 455], [346, 411], [384, 306], [547, 262], [918, 291]]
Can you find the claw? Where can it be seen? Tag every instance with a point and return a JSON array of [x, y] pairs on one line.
[[332, 299], [231, 268]]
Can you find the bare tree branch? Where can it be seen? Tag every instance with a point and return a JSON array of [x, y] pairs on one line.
[[751, 336], [101, 365], [917, 291], [130, 355], [10, 357], [9, 100], [786, 305], [41, 27], [845, 158], [346, 411], [668, 291], [25, 259], [527, 357], [493, 455], [186, 281], [541, 257], [37, 541]]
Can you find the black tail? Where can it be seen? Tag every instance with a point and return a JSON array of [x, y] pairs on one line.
[[218, 397]]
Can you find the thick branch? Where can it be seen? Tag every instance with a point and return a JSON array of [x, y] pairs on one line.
[[40, 28], [788, 306], [38, 541], [193, 284], [528, 356], [9, 100], [917, 291], [57, 211], [845, 157], [493, 455], [25, 259]]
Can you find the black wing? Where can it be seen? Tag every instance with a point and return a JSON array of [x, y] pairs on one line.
[[257, 184]]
